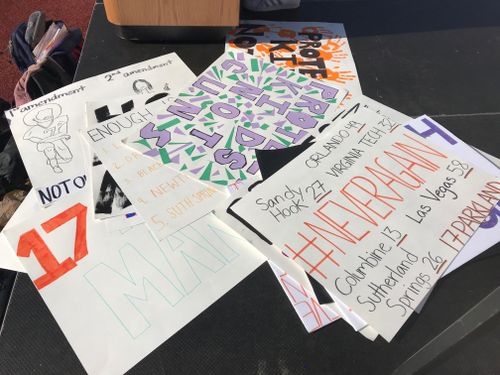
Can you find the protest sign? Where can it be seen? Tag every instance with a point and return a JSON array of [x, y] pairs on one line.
[[117, 296], [374, 212], [316, 49], [46, 130], [239, 104]]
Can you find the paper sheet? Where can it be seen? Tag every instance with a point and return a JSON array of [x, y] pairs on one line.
[[109, 199], [343, 197], [313, 315], [166, 199], [239, 104], [319, 50], [28, 207], [276, 257], [488, 233], [46, 130], [117, 296]]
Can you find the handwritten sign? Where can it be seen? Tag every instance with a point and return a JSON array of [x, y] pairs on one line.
[[488, 233], [165, 198], [109, 199], [375, 213], [125, 292], [313, 315], [46, 130], [318, 50], [239, 104], [276, 258]]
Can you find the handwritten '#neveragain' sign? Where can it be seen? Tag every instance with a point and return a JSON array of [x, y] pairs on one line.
[[375, 212], [117, 296], [488, 233], [46, 130], [239, 104], [318, 50]]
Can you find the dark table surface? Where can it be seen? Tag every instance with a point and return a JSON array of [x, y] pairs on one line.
[[441, 58]]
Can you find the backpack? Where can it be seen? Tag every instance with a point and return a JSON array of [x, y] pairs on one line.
[[66, 54], [53, 72], [19, 49]]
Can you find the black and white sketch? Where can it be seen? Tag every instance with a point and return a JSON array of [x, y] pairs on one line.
[[48, 129], [141, 86]]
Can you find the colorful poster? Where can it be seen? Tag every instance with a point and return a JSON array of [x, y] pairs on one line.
[[117, 296], [374, 212], [46, 130], [165, 198], [318, 50], [238, 105]]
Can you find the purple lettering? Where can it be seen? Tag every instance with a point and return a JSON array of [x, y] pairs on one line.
[[327, 92], [185, 110], [295, 137], [248, 138], [225, 156], [246, 90], [202, 84], [314, 105], [149, 132], [273, 145], [227, 64], [292, 86], [210, 140], [433, 129], [225, 110], [265, 99], [302, 119]]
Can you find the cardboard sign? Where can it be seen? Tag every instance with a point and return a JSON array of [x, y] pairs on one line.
[[47, 129], [239, 104], [374, 212], [117, 296], [318, 50]]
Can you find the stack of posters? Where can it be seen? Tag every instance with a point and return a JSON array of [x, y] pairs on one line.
[[149, 204]]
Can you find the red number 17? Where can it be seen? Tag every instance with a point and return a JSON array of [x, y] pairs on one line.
[[31, 241]]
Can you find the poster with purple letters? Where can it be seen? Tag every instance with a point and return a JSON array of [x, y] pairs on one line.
[[238, 105]]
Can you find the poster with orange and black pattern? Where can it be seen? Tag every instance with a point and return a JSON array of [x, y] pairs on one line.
[[318, 50]]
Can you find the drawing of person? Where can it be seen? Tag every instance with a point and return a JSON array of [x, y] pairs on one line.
[[49, 131], [141, 86]]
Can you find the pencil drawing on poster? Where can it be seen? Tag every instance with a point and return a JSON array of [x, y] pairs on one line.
[[48, 129], [141, 86]]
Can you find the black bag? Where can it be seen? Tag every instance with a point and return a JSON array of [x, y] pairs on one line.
[[19, 49], [66, 54], [48, 77]]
